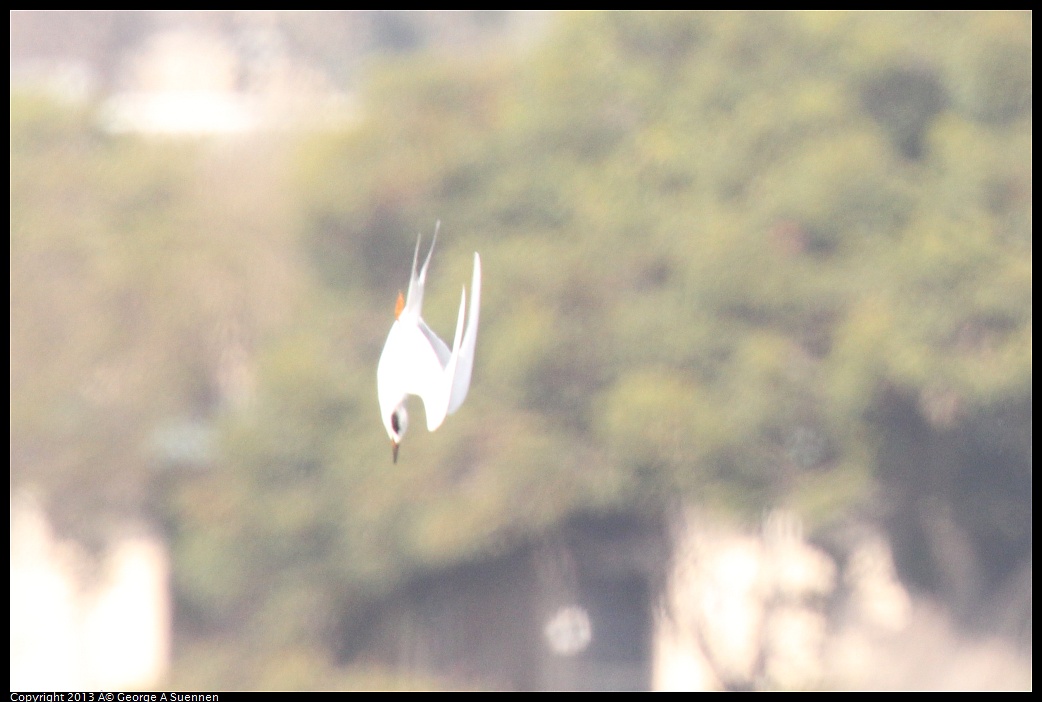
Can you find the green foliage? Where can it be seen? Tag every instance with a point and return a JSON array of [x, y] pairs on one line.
[[713, 245]]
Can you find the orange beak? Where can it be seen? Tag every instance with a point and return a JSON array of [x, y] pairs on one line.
[[394, 451]]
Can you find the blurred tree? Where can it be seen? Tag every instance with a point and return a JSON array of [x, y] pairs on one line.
[[715, 247], [142, 279]]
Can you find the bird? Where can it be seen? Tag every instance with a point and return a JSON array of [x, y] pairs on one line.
[[415, 361]]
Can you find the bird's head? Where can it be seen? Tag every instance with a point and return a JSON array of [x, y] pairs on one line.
[[396, 422]]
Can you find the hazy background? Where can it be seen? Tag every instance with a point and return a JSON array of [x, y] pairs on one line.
[[733, 263]]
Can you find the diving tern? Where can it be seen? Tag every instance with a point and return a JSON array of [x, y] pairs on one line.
[[416, 362]]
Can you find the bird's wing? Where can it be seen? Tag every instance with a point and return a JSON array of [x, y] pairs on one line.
[[444, 395], [465, 361], [410, 365], [440, 349], [436, 403]]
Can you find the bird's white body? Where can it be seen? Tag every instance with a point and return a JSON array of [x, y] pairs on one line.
[[416, 362]]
